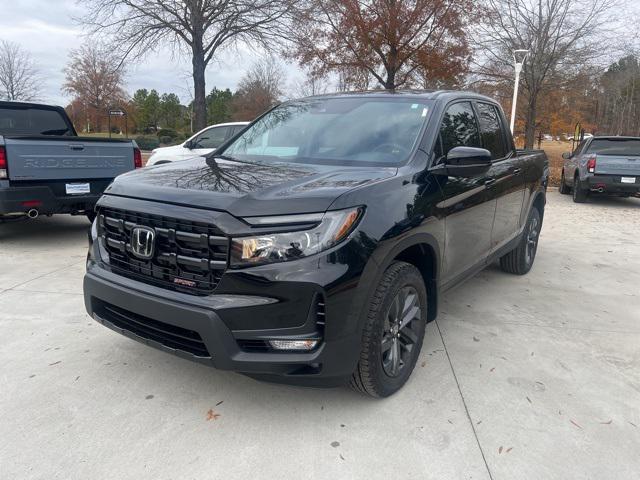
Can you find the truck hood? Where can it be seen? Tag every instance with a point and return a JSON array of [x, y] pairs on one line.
[[244, 189]]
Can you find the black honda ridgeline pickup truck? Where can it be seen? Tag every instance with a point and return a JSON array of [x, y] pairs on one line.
[[313, 247]]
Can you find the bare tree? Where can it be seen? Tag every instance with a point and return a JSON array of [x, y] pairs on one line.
[[259, 89], [94, 77], [19, 78], [200, 27], [560, 34]]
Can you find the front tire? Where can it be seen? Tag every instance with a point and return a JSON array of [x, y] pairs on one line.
[[564, 189], [520, 260], [393, 332]]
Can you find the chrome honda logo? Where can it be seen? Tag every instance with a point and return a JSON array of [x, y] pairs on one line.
[[143, 241]]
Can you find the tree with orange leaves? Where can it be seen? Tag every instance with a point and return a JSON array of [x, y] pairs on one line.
[[394, 43]]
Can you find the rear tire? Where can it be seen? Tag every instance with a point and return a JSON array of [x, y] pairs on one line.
[[564, 189], [520, 260], [579, 194], [393, 332]]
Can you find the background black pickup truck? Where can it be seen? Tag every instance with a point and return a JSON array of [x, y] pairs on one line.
[[45, 168]]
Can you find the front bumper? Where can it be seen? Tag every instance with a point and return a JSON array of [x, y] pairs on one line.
[[202, 329], [612, 184]]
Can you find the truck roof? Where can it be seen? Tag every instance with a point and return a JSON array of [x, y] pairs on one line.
[[614, 137], [409, 93], [4, 103]]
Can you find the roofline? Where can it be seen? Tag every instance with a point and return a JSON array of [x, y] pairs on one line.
[[623, 137], [11, 103], [407, 93]]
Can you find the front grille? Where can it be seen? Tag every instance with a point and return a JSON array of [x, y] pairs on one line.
[[189, 256], [177, 338]]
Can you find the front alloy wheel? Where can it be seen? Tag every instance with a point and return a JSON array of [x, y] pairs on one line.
[[399, 337]]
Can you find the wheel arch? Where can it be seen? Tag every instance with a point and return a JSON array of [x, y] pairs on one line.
[[423, 252]]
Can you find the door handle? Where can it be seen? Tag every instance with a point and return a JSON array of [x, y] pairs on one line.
[[517, 171], [75, 146], [490, 182]]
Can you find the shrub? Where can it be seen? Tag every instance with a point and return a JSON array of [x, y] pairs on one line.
[[167, 140], [167, 132], [147, 142]]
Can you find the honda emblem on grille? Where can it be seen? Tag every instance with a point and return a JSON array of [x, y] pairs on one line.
[[143, 241]]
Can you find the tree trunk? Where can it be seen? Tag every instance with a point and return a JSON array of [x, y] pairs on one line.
[[530, 123], [199, 89]]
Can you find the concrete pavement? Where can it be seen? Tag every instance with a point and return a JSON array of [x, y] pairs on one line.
[[534, 377]]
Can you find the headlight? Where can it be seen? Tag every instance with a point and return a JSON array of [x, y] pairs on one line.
[[282, 247]]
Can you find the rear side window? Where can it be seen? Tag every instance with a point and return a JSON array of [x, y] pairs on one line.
[[491, 130], [32, 121], [615, 146], [212, 138], [459, 129]]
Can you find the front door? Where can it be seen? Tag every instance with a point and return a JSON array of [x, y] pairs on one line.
[[467, 205]]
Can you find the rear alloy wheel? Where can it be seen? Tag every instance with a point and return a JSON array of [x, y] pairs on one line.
[[520, 260], [393, 332], [564, 189], [579, 194]]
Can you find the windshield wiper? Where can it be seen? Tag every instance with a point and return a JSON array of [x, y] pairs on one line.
[[231, 159]]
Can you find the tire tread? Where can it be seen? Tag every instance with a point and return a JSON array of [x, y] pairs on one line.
[[362, 378]]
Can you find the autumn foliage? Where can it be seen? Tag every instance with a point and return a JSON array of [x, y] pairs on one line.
[[388, 43]]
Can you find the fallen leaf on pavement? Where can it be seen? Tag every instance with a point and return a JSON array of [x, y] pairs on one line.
[[211, 415]]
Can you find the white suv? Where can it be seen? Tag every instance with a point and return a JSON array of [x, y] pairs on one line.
[[202, 143]]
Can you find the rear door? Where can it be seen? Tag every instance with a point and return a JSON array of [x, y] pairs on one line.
[[506, 182], [467, 206]]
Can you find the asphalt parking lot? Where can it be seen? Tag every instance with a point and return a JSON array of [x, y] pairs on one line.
[[534, 377]]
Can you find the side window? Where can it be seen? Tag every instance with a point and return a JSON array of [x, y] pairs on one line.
[[579, 148], [491, 130], [459, 129], [237, 129], [211, 138]]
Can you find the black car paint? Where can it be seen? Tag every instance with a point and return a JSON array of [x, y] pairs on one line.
[[444, 225]]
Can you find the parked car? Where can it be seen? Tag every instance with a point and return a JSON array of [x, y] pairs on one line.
[[202, 143], [606, 165], [314, 248], [45, 168]]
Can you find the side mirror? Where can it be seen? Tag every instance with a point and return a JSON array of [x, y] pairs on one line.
[[188, 144], [566, 155], [464, 162]]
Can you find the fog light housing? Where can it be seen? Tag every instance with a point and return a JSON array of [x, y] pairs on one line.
[[294, 345]]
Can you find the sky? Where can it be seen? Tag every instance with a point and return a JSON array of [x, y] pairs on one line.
[[47, 30]]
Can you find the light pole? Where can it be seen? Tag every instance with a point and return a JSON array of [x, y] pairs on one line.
[[518, 61]]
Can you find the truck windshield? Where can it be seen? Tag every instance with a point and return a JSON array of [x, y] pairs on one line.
[[337, 131], [615, 146], [32, 121]]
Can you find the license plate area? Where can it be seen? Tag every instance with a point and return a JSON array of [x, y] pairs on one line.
[[77, 188]]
